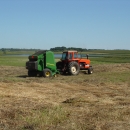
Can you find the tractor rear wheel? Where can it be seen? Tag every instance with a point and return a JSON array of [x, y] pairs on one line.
[[60, 66], [73, 68], [90, 70], [47, 73]]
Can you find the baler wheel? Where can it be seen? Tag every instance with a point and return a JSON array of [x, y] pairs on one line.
[[47, 73]]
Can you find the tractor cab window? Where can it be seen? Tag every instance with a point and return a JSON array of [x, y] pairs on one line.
[[70, 56], [75, 55], [64, 56]]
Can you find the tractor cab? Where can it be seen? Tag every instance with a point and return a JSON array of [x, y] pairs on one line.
[[69, 55]]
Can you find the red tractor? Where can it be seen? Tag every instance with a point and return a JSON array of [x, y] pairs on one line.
[[71, 63]]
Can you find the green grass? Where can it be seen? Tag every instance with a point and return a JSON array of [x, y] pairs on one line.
[[12, 61], [16, 52], [112, 52], [114, 77], [20, 61], [108, 57]]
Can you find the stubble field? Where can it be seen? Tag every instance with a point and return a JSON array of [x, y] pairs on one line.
[[100, 101]]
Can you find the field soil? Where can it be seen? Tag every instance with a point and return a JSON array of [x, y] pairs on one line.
[[100, 101]]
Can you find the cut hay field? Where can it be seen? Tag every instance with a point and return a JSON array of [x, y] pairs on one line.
[[100, 101]]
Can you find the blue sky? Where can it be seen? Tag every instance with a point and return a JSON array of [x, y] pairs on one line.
[[44, 24]]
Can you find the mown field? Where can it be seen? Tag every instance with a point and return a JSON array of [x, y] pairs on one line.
[[100, 101]]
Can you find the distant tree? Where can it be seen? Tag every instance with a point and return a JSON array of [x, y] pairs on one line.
[[64, 48], [58, 48]]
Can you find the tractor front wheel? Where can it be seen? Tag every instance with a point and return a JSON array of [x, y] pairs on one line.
[[73, 68], [47, 73], [90, 70]]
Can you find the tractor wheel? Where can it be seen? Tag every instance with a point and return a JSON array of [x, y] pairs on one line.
[[90, 70], [47, 73], [73, 68], [60, 66]]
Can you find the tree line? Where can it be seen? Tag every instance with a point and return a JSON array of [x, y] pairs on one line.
[[18, 49], [55, 49], [60, 49]]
